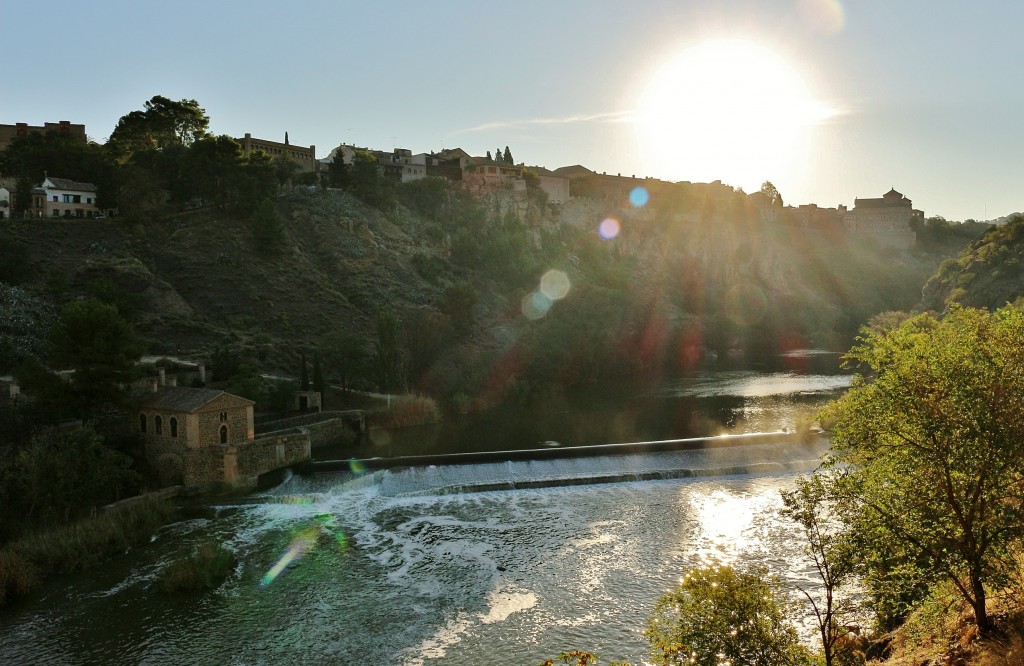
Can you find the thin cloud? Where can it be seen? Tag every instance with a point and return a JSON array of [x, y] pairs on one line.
[[608, 117]]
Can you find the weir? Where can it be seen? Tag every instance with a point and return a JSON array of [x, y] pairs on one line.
[[756, 453]]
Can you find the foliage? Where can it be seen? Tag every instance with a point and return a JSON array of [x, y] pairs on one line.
[[811, 505], [720, 615], [345, 356], [932, 445], [769, 190], [31, 157], [93, 339], [80, 545], [387, 360], [408, 410], [267, 229], [164, 123], [247, 383], [205, 569]]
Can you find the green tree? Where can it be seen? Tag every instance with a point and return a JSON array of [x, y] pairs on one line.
[[386, 357], [15, 260], [489, 158], [932, 444], [497, 155], [772, 193], [345, 356], [720, 615], [267, 228], [93, 339], [303, 373], [63, 476], [813, 506], [162, 124], [338, 173], [507, 156]]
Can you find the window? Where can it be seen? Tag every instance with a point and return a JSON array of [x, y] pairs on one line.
[[223, 434], [223, 417], [158, 425], [142, 423], [174, 427], [56, 213], [54, 198], [88, 200]]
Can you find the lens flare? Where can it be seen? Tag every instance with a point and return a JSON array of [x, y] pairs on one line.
[[298, 547], [535, 305], [555, 284], [356, 467], [609, 228], [639, 197]]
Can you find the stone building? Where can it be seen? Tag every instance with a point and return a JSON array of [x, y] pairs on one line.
[[304, 157], [887, 219], [188, 430], [9, 132]]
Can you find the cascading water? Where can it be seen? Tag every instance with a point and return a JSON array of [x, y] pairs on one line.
[[407, 567]]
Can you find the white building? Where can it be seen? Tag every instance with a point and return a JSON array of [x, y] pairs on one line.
[[60, 197]]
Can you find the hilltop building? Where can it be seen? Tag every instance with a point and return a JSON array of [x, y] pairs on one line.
[[9, 132], [61, 197], [304, 157], [887, 219]]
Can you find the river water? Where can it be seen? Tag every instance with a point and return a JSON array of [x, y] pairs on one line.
[[395, 567]]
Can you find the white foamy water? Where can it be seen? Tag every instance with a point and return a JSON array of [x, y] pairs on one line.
[[427, 578]]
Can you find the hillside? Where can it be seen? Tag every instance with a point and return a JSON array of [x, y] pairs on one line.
[[987, 274], [674, 284]]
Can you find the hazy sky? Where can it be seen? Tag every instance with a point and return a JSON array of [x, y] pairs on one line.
[[829, 100]]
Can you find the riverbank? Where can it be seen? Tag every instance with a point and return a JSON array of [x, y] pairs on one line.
[[30, 560]]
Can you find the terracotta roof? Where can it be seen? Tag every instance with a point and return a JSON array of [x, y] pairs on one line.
[[183, 398], [65, 184]]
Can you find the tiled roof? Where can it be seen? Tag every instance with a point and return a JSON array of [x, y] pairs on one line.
[[65, 184], [182, 398]]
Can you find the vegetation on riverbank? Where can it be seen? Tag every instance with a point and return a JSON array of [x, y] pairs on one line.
[[28, 561], [205, 569]]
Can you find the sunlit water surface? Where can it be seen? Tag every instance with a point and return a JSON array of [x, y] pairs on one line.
[[411, 567]]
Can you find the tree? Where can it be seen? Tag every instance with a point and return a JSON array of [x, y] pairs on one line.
[[720, 615], [386, 359], [497, 155], [93, 339], [811, 505], [344, 355], [774, 198], [163, 123], [337, 171], [507, 157], [318, 378], [932, 444], [303, 373], [489, 158], [267, 228]]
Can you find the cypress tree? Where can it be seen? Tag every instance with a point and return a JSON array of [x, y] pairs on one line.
[[304, 374]]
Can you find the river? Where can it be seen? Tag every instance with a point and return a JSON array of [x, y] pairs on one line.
[[393, 568]]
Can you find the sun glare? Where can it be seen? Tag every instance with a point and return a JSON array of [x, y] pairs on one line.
[[727, 110]]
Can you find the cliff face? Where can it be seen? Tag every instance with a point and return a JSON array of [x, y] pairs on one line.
[[195, 282], [989, 273]]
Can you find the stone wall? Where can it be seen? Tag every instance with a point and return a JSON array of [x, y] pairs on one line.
[[205, 466], [167, 458], [243, 463]]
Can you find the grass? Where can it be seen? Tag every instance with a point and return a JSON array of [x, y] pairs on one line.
[[80, 545], [203, 570]]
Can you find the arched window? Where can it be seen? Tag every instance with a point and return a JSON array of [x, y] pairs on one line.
[[174, 427], [142, 423], [158, 425], [223, 434]]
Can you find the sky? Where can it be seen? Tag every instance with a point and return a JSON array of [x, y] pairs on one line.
[[830, 100]]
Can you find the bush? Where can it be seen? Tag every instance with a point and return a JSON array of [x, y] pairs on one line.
[[720, 615], [203, 570], [409, 410], [17, 576]]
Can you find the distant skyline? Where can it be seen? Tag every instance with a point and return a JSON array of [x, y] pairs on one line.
[[829, 100]]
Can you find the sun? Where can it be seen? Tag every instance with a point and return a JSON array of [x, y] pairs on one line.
[[728, 110]]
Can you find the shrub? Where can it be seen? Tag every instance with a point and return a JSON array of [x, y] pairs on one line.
[[718, 614], [203, 570], [409, 410]]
